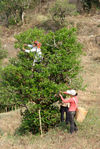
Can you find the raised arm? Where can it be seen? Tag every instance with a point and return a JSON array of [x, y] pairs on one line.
[[62, 98], [65, 93], [65, 101], [28, 45]]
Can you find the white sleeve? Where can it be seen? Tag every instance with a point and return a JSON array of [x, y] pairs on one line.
[[30, 46], [27, 51], [31, 50], [34, 49]]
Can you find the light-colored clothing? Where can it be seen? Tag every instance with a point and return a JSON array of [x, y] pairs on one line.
[[38, 55], [73, 103], [65, 104]]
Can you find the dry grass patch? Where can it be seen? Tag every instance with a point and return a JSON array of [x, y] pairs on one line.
[[9, 122], [86, 138]]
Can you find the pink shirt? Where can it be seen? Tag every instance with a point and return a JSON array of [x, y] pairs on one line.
[[73, 103]]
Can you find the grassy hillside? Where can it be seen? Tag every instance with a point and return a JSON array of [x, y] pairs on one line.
[[86, 138]]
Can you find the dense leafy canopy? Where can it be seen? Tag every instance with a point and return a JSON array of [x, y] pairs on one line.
[[35, 86]]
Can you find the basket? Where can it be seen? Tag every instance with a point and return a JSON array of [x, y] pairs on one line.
[[81, 114]]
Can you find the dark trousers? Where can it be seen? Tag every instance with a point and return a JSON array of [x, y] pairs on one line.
[[62, 110], [73, 126]]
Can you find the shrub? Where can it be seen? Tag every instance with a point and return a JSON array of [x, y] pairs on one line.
[[35, 86], [59, 11], [3, 53], [50, 116], [12, 21]]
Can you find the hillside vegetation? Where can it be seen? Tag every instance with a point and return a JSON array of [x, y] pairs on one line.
[[88, 136]]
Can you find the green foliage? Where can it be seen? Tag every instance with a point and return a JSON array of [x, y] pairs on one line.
[[1, 132], [12, 21], [28, 37], [59, 11], [13, 9], [38, 84], [50, 116], [3, 53]]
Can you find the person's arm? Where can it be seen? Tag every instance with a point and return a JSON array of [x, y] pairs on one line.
[[65, 93], [34, 49], [65, 101], [62, 98], [30, 45], [26, 50]]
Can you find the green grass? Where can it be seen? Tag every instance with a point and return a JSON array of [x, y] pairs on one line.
[[88, 130], [91, 124], [98, 25], [1, 132]]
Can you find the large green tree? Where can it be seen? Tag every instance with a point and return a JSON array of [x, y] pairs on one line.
[[35, 87]]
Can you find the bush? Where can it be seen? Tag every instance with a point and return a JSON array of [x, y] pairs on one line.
[[50, 116], [38, 84], [59, 11], [3, 53]]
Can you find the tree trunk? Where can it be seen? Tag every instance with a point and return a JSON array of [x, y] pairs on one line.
[[79, 6], [40, 122], [7, 17], [23, 18], [6, 109], [21, 10]]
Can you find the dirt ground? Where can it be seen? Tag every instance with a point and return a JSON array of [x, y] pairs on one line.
[[88, 28]]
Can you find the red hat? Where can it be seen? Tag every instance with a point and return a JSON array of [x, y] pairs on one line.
[[37, 43]]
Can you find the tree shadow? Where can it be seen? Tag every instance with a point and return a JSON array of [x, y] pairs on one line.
[[49, 25], [62, 126], [97, 59]]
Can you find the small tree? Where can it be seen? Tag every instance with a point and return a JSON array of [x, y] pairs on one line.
[[13, 9], [3, 53], [36, 86], [60, 10]]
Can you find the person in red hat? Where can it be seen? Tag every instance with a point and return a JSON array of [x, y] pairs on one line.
[[73, 100], [34, 48]]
